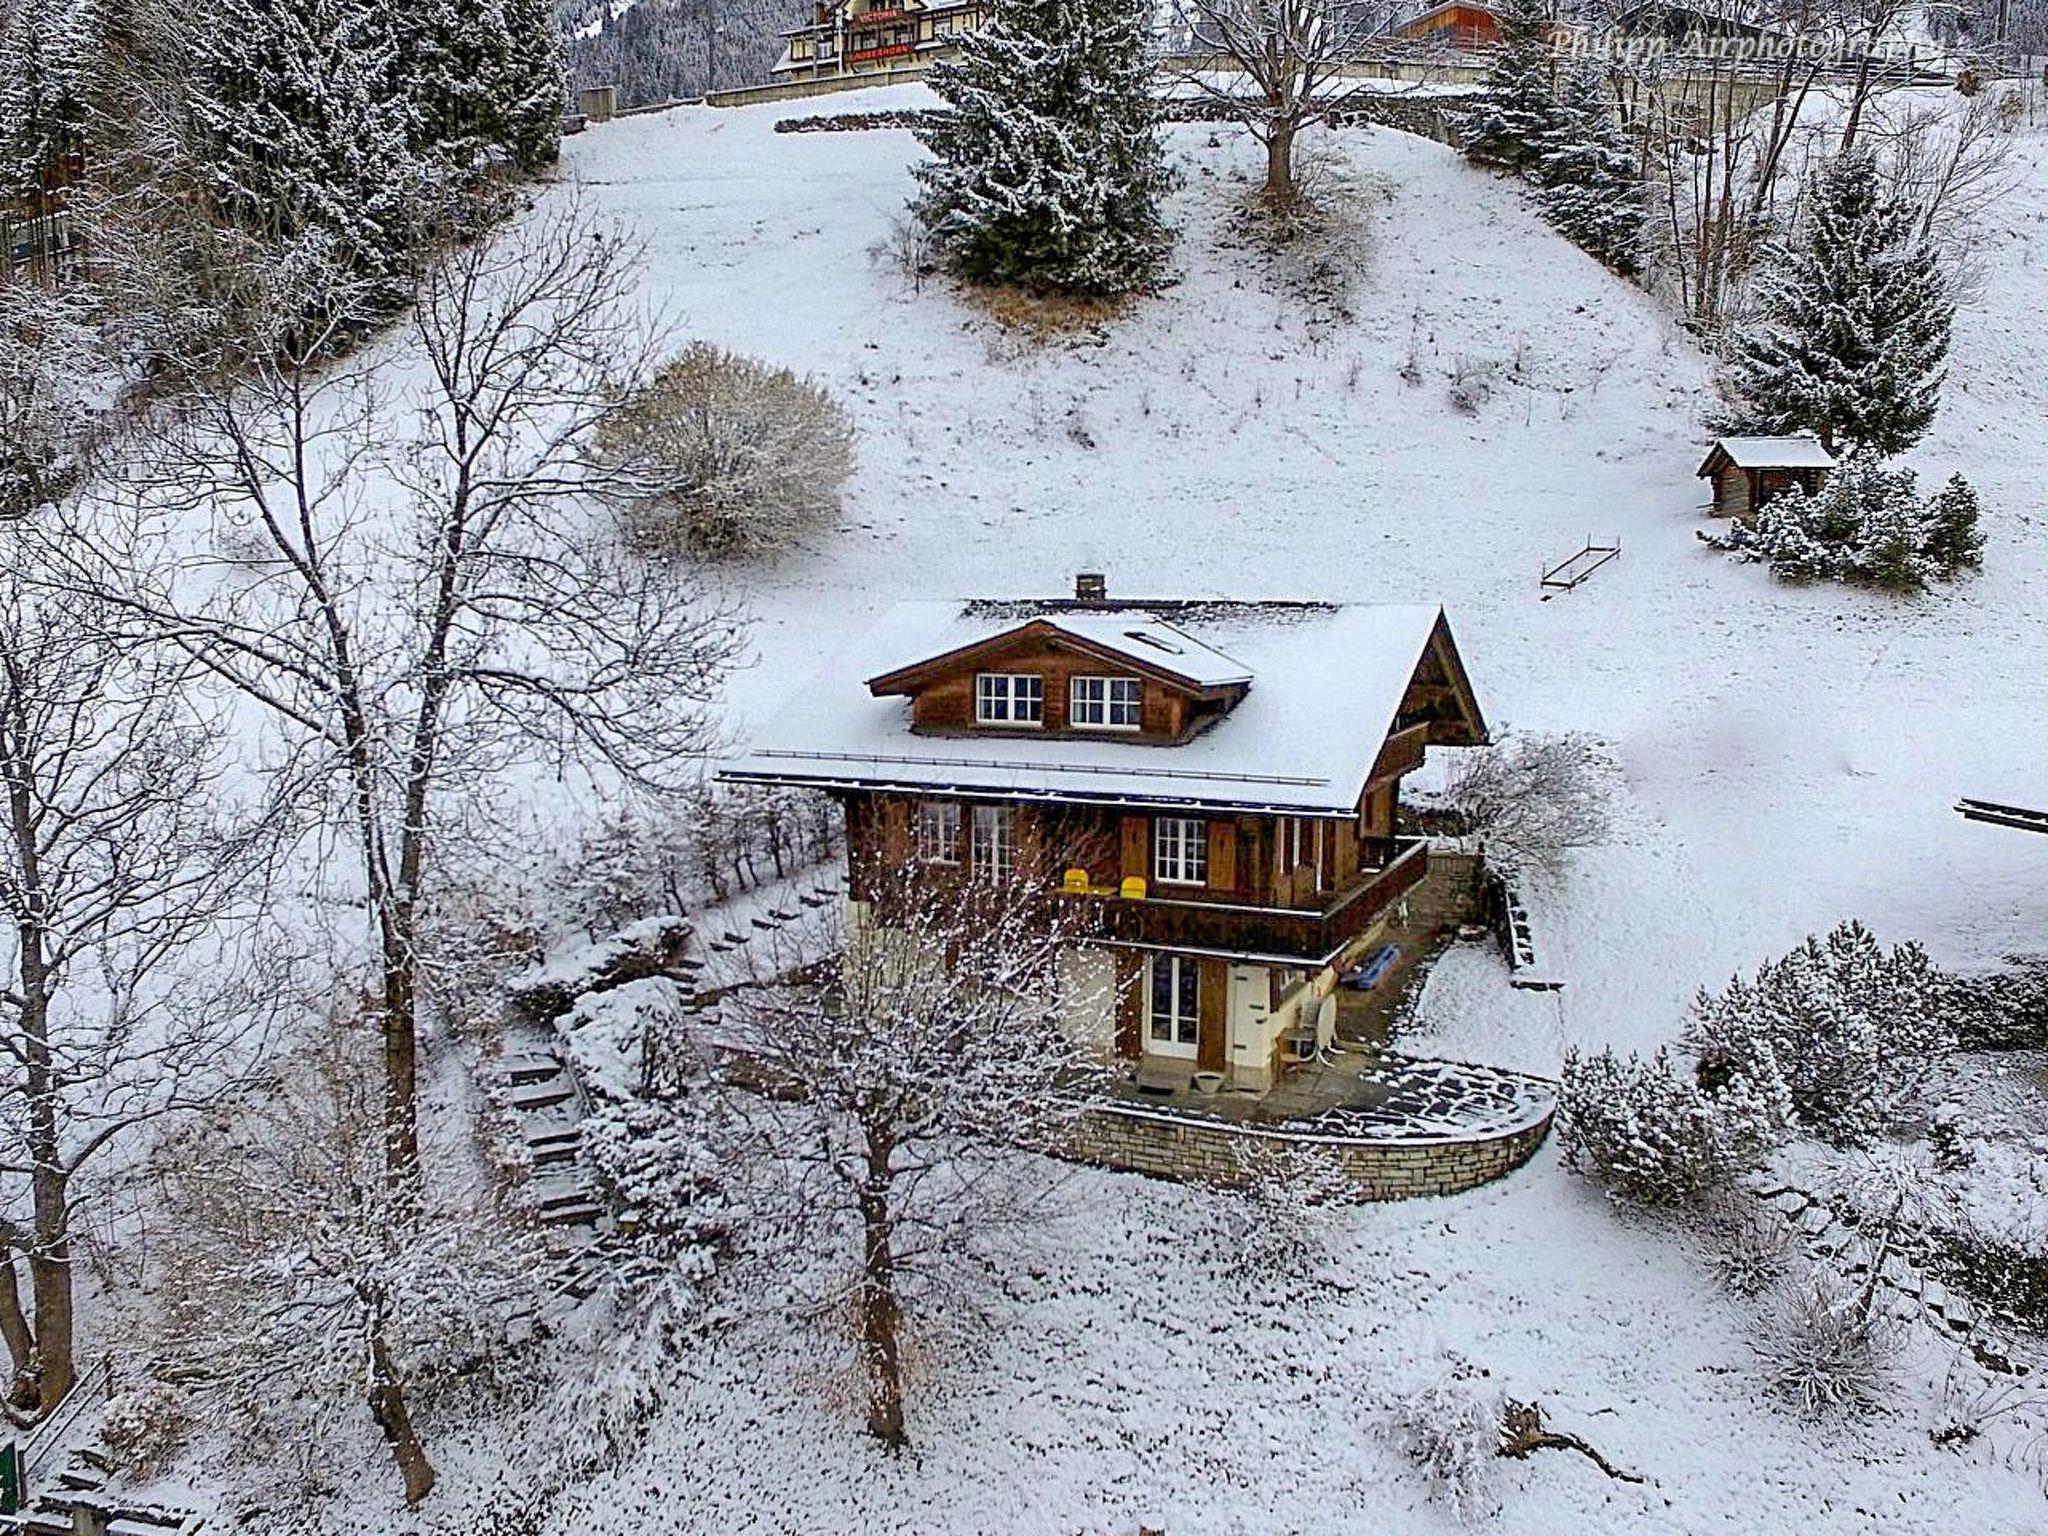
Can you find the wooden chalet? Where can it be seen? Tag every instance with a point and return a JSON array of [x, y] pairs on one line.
[[1213, 784], [854, 37], [1747, 472], [1454, 24]]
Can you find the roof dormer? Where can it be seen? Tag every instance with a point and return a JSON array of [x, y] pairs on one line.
[[1078, 672]]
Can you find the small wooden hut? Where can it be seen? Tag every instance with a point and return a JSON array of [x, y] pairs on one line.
[[1746, 472]]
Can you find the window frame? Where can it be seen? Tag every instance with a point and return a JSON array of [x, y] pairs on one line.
[[1107, 684], [1011, 696], [1178, 1031], [1180, 844], [933, 843], [992, 840]]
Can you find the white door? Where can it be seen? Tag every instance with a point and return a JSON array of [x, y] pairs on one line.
[[1088, 998], [1250, 1004], [1173, 1006]]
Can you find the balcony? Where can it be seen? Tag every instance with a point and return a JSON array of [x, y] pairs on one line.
[[1309, 936]]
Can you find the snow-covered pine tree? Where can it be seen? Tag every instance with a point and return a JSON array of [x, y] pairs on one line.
[[486, 78], [1518, 113], [1950, 539], [1049, 172], [46, 53], [1853, 325], [1592, 186], [301, 133]]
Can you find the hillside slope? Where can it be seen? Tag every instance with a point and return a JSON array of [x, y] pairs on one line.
[[1791, 756]]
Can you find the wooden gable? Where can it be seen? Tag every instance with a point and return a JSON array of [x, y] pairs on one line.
[[941, 688], [1439, 696]]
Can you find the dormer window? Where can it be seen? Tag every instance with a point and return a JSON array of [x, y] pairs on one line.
[[1106, 703], [1009, 698]]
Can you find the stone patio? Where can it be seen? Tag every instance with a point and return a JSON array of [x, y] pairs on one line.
[[1359, 1091]]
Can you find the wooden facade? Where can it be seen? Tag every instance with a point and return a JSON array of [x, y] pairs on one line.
[[1211, 898], [1743, 490], [1453, 25], [875, 36]]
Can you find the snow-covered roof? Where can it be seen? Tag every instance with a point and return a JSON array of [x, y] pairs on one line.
[[1327, 682], [1146, 639], [1774, 453]]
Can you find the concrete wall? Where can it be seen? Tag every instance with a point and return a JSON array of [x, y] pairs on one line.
[[1188, 1150]]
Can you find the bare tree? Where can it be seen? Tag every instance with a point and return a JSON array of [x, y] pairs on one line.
[[1532, 797], [117, 977], [295, 1289], [409, 582], [894, 1082], [48, 350], [1279, 67]]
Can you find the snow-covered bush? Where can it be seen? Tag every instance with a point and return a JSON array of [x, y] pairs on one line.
[[1450, 1429], [144, 1428], [1279, 1224], [726, 457], [1865, 525], [1648, 1131], [1824, 1348], [1845, 1031], [2002, 1010], [1749, 1243], [1531, 796]]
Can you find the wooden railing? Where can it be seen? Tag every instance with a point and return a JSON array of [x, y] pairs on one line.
[[1310, 936]]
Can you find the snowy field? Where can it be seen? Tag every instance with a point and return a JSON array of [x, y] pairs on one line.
[[1790, 759]]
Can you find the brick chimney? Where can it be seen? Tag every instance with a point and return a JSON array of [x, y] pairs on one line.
[[1091, 587]]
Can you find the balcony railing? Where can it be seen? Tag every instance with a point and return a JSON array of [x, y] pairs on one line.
[[1311, 936]]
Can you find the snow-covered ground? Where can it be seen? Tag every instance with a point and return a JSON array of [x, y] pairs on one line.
[[1790, 758]]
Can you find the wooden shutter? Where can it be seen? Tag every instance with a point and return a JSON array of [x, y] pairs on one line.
[[1210, 1015], [1223, 856], [1130, 1005], [1030, 844], [895, 832], [1137, 847]]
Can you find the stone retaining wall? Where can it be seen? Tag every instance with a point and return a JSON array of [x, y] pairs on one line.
[[1197, 1151]]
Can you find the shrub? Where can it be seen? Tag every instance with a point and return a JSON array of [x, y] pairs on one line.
[[1847, 1032], [1824, 1349], [1750, 1244], [1450, 1428], [724, 457], [1649, 1132], [1531, 796], [1867, 526], [143, 1429]]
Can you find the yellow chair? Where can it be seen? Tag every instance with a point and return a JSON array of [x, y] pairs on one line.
[[1133, 888], [1076, 880]]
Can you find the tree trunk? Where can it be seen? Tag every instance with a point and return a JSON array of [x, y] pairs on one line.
[[880, 1314], [1279, 188], [21, 1344], [401, 1063], [50, 1283], [387, 1406]]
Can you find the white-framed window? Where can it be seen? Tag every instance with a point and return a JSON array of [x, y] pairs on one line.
[[1180, 850], [1173, 1006], [1009, 698], [1106, 703], [938, 831], [995, 839]]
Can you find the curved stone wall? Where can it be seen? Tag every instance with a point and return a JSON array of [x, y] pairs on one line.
[[1197, 1149]]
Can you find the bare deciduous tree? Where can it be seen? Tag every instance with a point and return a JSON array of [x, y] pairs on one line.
[[118, 982], [296, 1291], [1279, 67], [903, 1074], [409, 581]]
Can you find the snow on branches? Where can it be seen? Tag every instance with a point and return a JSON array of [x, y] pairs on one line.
[[1866, 525]]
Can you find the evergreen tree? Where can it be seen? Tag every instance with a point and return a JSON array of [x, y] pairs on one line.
[[301, 134], [1518, 114], [1951, 539], [46, 53], [1854, 327], [1592, 186], [1049, 171], [486, 77]]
